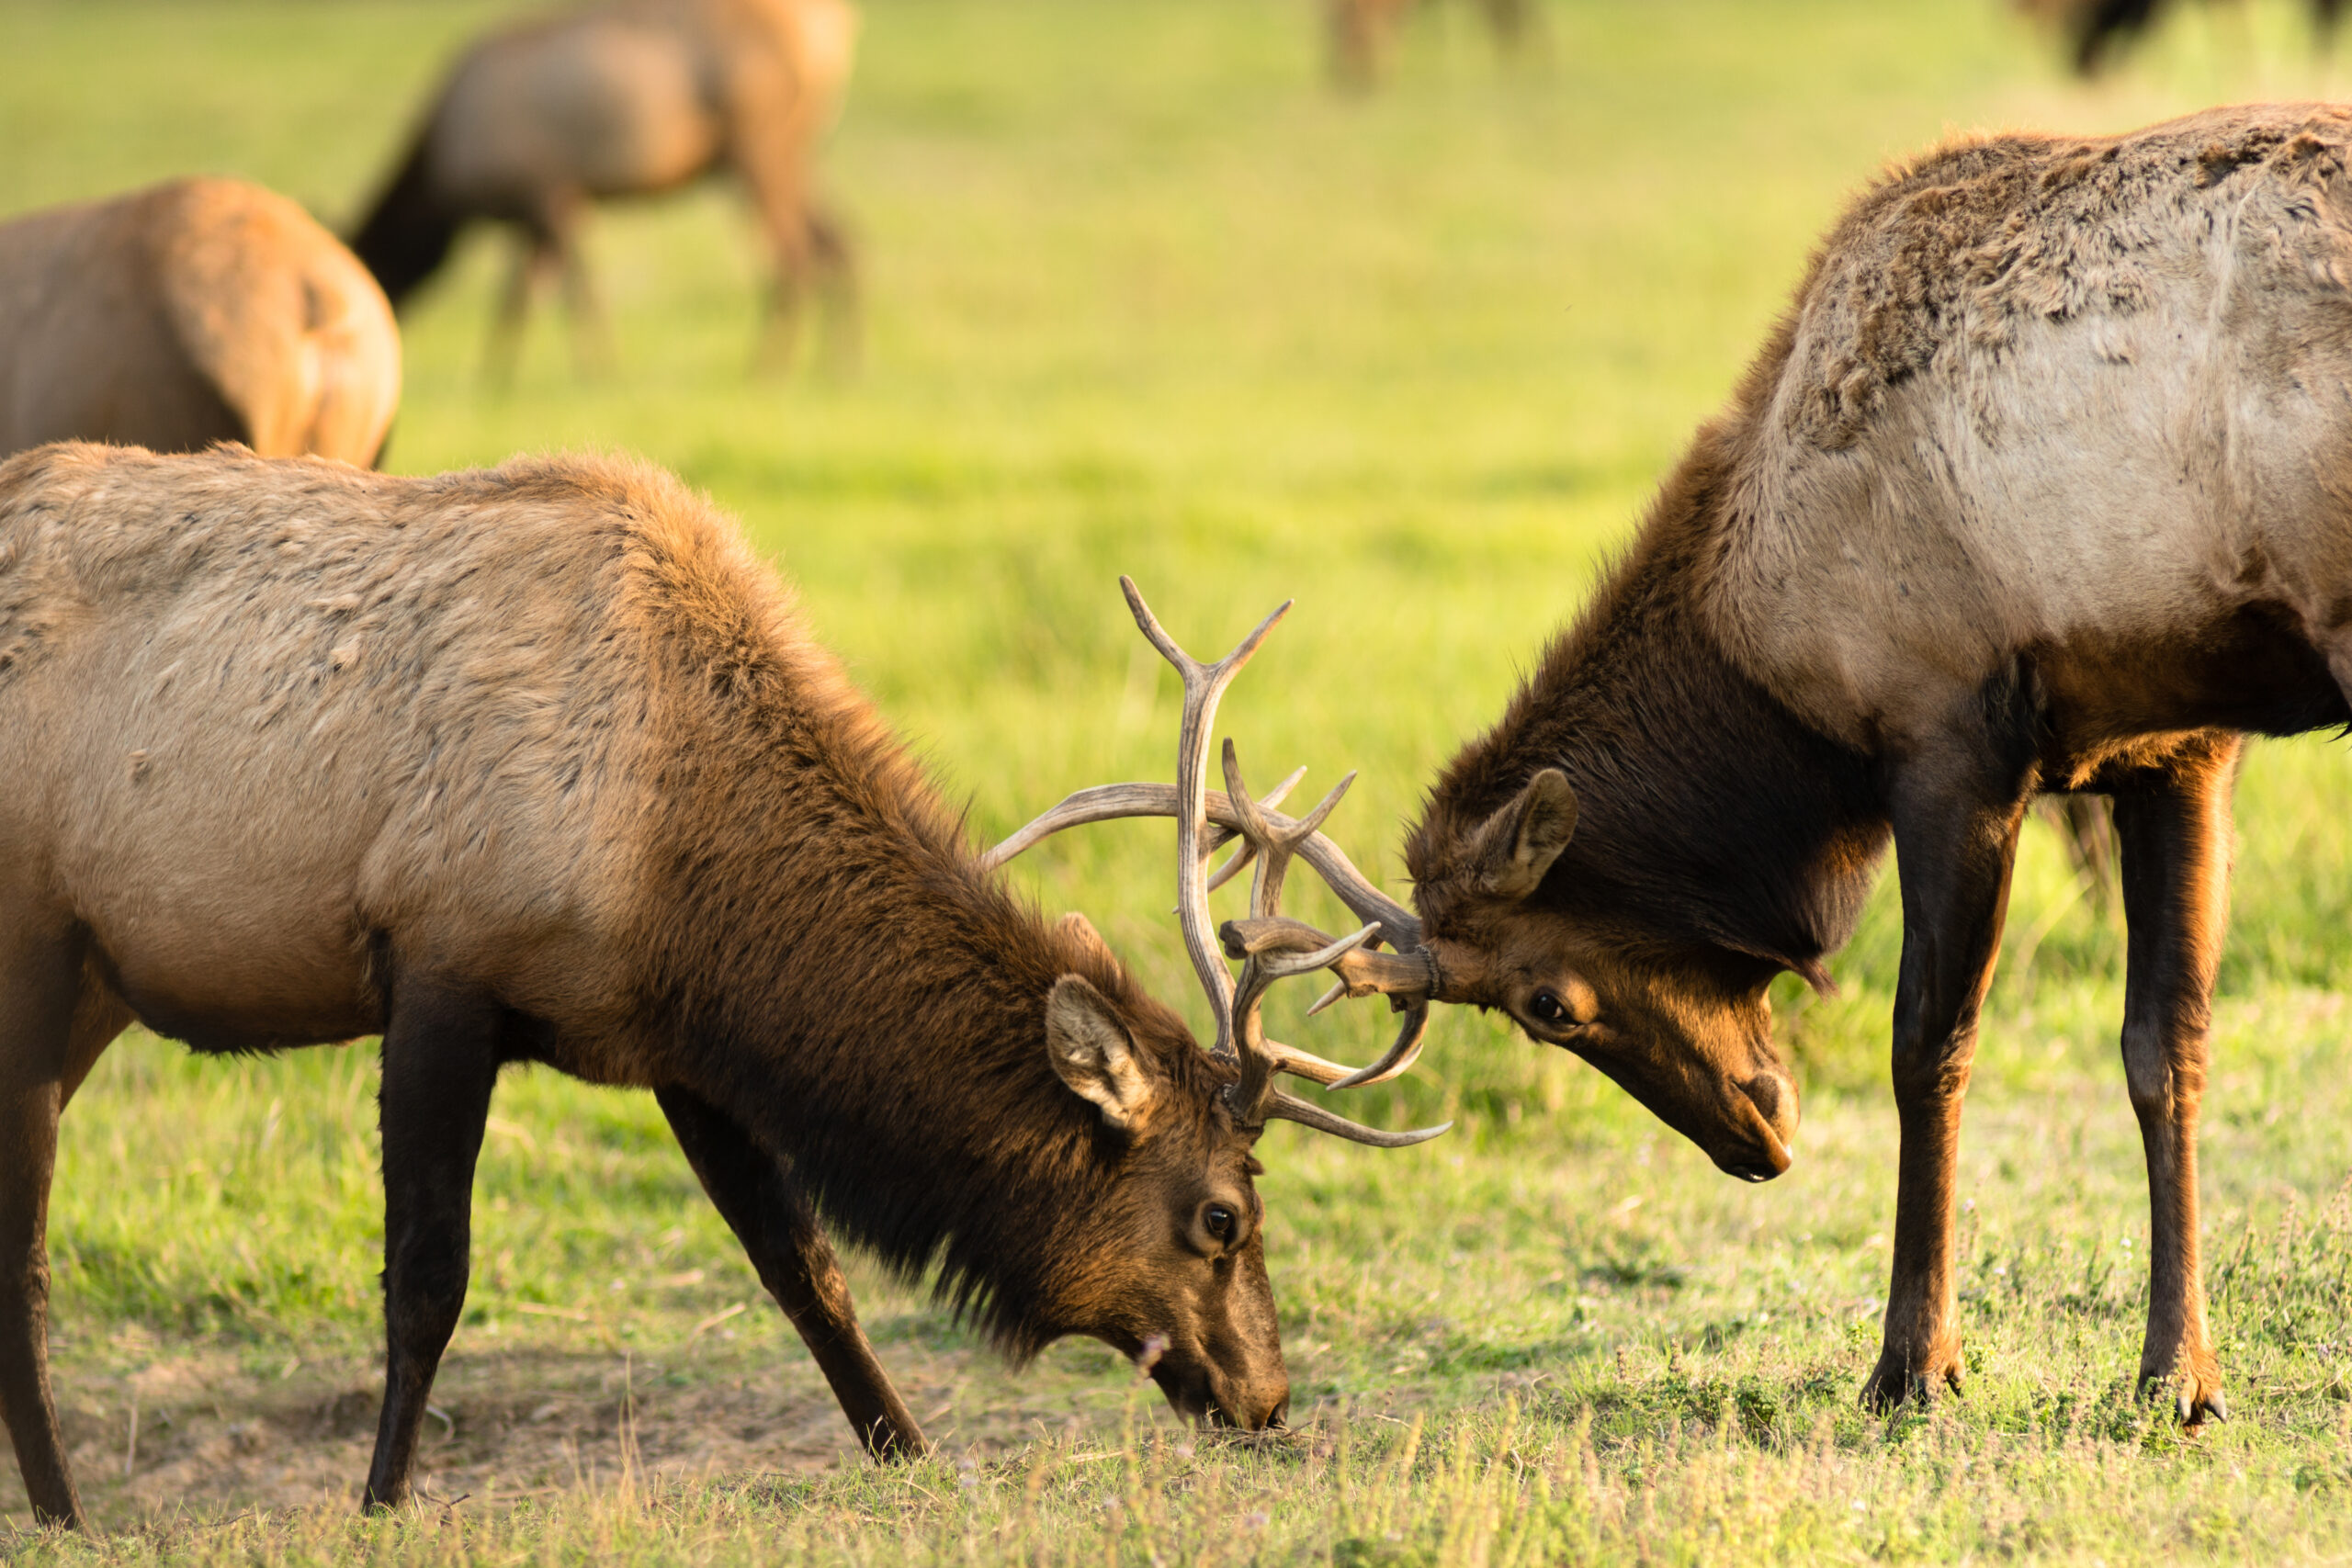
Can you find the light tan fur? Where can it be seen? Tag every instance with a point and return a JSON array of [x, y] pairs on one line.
[[195, 311], [633, 97], [2077, 396]]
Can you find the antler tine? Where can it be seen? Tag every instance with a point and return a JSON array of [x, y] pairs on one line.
[[1284, 1105], [1224, 835], [1204, 686], [1399, 927], [1274, 844], [1262, 1058]]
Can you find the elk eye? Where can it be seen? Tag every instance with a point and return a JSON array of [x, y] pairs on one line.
[[1548, 1006], [1218, 1219]]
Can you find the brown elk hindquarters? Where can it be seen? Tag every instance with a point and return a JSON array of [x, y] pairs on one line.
[[192, 312]]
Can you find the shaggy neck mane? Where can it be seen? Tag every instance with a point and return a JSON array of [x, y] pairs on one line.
[[1706, 813], [842, 978]]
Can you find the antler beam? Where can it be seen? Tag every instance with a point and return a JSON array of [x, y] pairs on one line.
[[1270, 948]]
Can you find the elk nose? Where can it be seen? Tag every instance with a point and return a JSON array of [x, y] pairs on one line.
[[1774, 1098]]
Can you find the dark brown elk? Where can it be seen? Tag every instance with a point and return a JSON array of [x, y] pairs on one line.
[[191, 313], [2040, 486], [537, 765], [629, 98]]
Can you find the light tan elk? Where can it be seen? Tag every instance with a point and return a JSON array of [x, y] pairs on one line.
[[629, 98], [191, 313], [2043, 484], [537, 765]]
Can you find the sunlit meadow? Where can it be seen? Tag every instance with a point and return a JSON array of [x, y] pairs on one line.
[[1144, 296]]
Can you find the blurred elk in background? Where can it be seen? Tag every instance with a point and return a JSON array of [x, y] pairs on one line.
[[2096, 31], [632, 99], [191, 313], [1364, 33]]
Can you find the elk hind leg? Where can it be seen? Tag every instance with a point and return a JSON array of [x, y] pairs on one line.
[[441, 1056], [757, 1196], [2172, 825], [49, 1037]]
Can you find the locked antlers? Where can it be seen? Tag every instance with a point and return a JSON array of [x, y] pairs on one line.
[[1270, 946]]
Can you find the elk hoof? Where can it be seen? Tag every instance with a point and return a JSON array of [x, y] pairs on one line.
[[2195, 1398], [1901, 1379]]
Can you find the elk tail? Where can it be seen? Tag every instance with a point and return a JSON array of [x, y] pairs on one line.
[[407, 235]]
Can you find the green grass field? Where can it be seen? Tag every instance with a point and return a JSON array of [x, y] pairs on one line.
[[1143, 296]]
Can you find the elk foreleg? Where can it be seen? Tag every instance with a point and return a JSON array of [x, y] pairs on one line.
[[441, 1053], [1956, 813], [2172, 825], [756, 1193]]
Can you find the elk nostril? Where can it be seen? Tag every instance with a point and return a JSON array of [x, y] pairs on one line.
[[1765, 1092], [1278, 1418]]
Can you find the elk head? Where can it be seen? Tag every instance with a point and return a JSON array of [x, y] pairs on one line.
[[1680, 1022], [1200, 1317]]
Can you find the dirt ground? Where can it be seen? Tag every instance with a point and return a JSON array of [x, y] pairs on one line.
[[224, 1430]]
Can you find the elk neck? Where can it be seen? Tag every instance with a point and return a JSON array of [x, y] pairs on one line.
[[839, 977], [1707, 812]]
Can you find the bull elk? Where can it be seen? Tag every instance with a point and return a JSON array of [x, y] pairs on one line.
[[633, 97], [537, 765], [2043, 484], [195, 311]]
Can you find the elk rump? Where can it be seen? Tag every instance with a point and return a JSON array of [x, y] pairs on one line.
[[195, 311]]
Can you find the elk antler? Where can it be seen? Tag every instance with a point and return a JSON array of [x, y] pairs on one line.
[[1270, 947]]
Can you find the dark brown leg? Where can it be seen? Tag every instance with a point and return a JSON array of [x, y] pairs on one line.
[[756, 1195], [534, 257], [1956, 820], [835, 260], [440, 1063], [39, 989], [2175, 831]]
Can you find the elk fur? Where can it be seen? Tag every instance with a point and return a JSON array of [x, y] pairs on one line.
[[631, 97], [195, 311], [542, 756], [2045, 484]]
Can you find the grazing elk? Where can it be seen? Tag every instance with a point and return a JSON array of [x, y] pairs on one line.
[[633, 97], [2044, 483], [195, 311], [537, 765]]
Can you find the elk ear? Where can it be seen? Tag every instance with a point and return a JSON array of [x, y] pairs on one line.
[[1518, 845], [1093, 1053], [1081, 930]]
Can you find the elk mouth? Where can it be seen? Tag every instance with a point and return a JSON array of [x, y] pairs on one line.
[[1766, 1154]]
